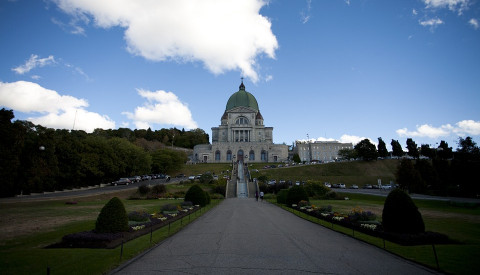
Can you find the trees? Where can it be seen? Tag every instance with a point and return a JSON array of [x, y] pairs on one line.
[[366, 150], [382, 148], [443, 151], [347, 153], [426, 151], [412, 148], [409, 178], [396, 148], [167, 161]]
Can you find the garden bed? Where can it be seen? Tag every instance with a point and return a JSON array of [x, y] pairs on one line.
[[91, 239], [374, 228]]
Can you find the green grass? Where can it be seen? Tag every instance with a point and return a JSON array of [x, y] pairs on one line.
[[461, 224], [355, 172], [201, 168], [27, 255]]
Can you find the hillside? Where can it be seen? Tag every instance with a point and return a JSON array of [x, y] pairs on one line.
[[355, 172]]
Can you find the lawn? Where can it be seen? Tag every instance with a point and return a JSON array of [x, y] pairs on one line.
[[30, 226], [458, 222]]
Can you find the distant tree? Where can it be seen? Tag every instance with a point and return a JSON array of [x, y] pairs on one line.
[[443, 151], [426, 151], [366, 150], [468, 149], [396, 148], [347, 153], [296, 158], [412, 148], [382, 148], [167, 161], [409, 178]]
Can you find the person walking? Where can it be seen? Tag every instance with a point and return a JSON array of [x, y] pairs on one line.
[[261, 195], [256, 195]]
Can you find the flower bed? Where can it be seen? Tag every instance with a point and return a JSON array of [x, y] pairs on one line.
[[365, 222], [91, 239]]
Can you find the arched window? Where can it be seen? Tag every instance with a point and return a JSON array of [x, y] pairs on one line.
[[251, 156], [263, 156], [217, 155], [229, 155], [241, 121]]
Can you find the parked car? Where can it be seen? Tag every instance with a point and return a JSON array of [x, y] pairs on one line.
[[354, 186], [121, 181], [181, 176], [191, 177], [342, 185], [336, 185], [327, 184], [367, 186]]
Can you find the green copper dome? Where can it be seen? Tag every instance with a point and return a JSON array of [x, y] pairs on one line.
[[242, 98]]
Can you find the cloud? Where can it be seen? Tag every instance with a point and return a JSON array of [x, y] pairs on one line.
[[453, 5], [414, 12], [464, 127], [223, 35], [268, 78], [305, 14], [34, 62], [474, 23], [431, 22], [72, 27], [161, 108], [60, 111]]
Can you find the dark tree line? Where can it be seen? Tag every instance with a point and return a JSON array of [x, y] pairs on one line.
[[445, 173], [34, 158]]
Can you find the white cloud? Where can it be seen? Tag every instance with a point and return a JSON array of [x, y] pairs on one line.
[[224, 35], [305, 14], [347, 2], [161, 108], [431, 22], [34, 62], [468, 127], [453, 5], [414, 12], [464, 127], [474, 23], [61, 111], [268, 78]]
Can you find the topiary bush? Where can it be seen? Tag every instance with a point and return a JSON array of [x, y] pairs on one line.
[[196, 195], [112, 218], [159, 189], [401, 215], [282, 196], [296, 194], [143, 189]]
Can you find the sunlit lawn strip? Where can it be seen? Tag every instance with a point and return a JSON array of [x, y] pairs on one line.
[[27, 255]]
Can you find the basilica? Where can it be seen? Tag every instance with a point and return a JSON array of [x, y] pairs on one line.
[[241, 135]]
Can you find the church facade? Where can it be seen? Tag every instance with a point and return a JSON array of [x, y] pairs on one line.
[[241, 135]]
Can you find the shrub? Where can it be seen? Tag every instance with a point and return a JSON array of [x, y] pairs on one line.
[[187, 204], [138, 216], [220, 189], [207, 195], [400, 214], [169, 207], [296, 194], [112, 218], [143, 189], [316, 190], [282, 196], [303, 203], [331, 195], [159, 189], [196, 195]]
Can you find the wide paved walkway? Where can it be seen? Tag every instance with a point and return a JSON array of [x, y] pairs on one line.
[[241, 236]]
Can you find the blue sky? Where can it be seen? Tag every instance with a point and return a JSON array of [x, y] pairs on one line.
[[330, 70]]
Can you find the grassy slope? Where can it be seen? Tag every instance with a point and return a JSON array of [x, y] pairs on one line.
[[356, 172]]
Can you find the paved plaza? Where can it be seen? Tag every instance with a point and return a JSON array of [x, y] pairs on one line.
[[242, 236]]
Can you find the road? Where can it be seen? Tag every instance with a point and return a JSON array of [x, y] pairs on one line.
[[87, 192], [241, 236]]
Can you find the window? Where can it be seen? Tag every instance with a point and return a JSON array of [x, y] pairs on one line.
[[229, 155], [263, 156], [241, 121], [217, 155], [251, 156]]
